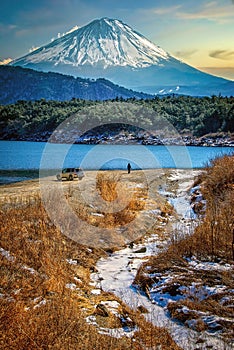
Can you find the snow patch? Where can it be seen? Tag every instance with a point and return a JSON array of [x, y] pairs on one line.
[[71, 286], [96, 291], [208, 265], [7, 254]]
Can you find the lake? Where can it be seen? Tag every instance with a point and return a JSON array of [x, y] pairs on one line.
[[21, 155]]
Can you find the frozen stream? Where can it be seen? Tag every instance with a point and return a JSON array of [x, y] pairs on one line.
[[117, 272]]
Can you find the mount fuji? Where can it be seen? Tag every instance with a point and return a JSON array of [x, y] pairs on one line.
[[108, 48]]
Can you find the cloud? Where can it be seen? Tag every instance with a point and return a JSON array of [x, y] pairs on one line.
[[225, 72], [33, 48], [209, 10], [5, 61], [166, 10], [212, 11], [6, 29], [54, 15], [59, 35], [225, 55], [185, 53], [75, 28], [68, 32]]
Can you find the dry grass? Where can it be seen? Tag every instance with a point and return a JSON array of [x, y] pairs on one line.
[[130, 202], [119, 204], [38, 310], [217, 228], [213, 238]]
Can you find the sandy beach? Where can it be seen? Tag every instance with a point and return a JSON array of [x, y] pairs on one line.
[[32, 187]]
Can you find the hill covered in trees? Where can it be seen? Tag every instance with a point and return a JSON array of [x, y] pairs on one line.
[[18, 83], [169, 116]]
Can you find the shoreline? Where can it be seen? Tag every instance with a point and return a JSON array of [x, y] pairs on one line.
[[145, 139], [22, 176], [31, 186]]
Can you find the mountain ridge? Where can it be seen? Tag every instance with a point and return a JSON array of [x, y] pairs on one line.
[[17, 83]]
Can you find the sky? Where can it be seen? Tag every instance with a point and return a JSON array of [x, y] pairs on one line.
[[198, 32]]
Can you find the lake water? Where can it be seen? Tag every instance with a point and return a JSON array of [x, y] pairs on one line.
[[19, 155]]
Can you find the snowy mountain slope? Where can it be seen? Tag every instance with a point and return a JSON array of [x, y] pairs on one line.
[[103, 42], [108, 48]]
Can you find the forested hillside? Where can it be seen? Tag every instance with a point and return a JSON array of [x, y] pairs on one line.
[[187, 115], [18, 83]]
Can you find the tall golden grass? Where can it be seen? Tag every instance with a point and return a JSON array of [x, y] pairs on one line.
[[214, 237], [113, 191], [115, 205]]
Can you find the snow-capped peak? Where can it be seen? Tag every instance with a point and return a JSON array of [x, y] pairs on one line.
[[103, 43]]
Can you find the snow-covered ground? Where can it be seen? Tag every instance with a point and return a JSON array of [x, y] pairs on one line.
[[117, 272]]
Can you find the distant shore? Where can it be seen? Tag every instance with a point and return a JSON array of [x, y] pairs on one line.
[[146, 138]]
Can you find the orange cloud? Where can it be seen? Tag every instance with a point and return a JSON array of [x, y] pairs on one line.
[[33, 48], [5, 61], [185, 53], [222, 54]]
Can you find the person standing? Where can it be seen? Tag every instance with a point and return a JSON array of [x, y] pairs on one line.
[[129, 168]]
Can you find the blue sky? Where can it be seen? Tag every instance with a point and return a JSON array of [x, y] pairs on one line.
[[200, 32]]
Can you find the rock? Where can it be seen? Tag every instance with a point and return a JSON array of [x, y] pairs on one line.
[[93, 269], [142, 309], [101, 310], [141, 250]]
